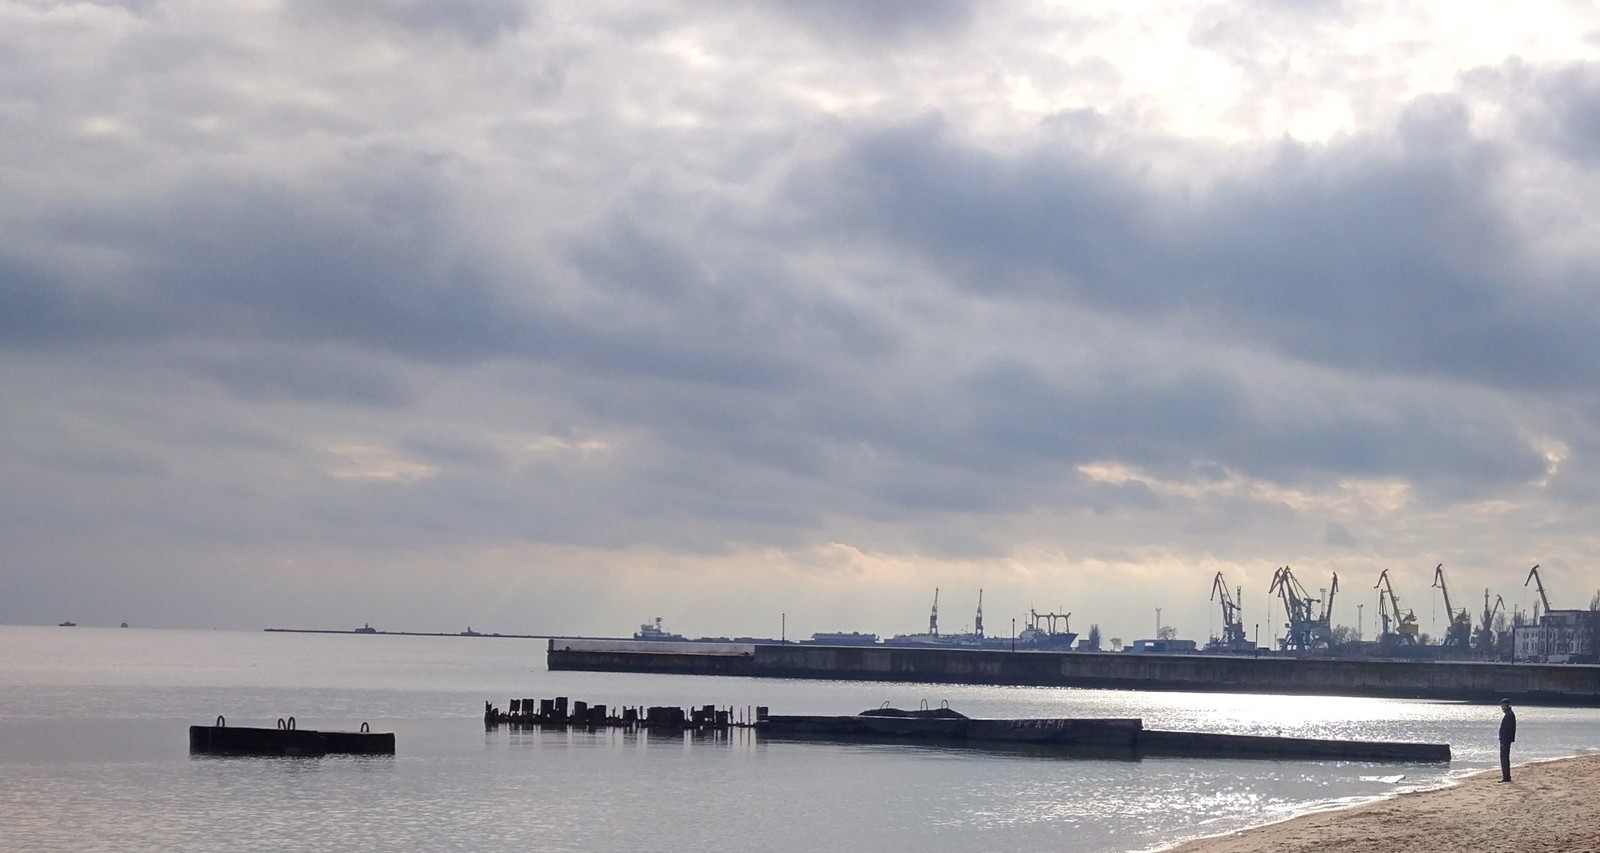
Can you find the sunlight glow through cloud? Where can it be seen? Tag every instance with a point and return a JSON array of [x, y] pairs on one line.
[[765, 313], [369, 462]]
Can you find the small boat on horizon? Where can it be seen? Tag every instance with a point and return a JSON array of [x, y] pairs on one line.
[[67, 624]]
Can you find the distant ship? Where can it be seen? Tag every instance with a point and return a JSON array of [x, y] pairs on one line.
[[933, 637], [1040, 634], [67, 624], [842, 638], [368, 629], [654, 631], [946, 640]]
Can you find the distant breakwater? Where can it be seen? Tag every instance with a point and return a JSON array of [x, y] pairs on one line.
[[1538, 684], [377, 633]]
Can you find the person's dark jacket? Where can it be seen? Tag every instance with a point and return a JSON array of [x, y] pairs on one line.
[[1508, 727]]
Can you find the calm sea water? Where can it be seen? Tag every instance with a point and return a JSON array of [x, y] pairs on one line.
[[94, 756]]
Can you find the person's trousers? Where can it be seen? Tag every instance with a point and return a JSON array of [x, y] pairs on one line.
[[1505, 761]]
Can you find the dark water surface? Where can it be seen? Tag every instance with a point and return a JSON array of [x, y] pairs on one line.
[[94, 756]]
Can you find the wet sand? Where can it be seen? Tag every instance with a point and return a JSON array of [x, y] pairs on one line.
[[1549, 806]]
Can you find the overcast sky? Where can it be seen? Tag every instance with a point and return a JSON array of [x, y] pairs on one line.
[[771, 317]]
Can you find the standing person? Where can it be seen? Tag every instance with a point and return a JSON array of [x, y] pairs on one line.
[[1508, 734]]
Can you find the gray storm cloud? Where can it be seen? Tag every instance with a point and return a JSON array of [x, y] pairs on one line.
[[539, 313]]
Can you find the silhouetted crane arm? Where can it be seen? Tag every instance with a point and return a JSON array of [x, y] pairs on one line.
[[1230, 607], [1438, 581], [1538, 583]]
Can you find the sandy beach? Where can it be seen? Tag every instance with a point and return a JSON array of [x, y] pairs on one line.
[[1550, 806]]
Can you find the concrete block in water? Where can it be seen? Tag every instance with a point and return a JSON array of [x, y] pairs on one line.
[[1080, 732], [244, 740], [1061, 732], [1092, 736], [359, 743], [241, 740], [1207, 744]]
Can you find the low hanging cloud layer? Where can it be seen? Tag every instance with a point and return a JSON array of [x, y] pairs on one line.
[[763, 317]]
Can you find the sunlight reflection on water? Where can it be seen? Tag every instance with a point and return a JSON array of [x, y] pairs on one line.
[[93, 756]]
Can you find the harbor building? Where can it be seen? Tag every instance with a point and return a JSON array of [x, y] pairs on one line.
[[1561, 636]]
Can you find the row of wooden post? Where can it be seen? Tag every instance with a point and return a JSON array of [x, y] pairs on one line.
[[558, 712]]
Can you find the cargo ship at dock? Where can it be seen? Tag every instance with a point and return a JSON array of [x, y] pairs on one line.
[[1044, 632]]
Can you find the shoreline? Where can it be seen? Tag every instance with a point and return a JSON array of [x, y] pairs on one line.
[[1547, 806]]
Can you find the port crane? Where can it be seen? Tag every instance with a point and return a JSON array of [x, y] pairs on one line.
[[1459, 633], [933, 617], [1233, 637], [977, 621], [1307, 629], [1538, 583], [1486, 638], [1405, 624]]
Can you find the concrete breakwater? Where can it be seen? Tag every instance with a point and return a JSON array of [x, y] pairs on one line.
[[286, 739], [1099, 736], [1540, 684]]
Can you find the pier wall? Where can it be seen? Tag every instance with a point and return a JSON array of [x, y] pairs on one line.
[[653, 656], [1559, 684]]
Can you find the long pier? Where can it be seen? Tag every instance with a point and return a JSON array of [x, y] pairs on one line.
[[1533, 684], [1096, 736]]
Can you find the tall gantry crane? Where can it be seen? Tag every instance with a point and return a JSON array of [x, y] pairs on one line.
[[1307, 629], [1233, 637], [933, 617], [1459, 633], [977, 621], [1398, 625], [1538, 583], [1486, 638], [1295, 606]]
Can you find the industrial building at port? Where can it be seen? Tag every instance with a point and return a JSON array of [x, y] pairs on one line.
[[1548, 635]]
